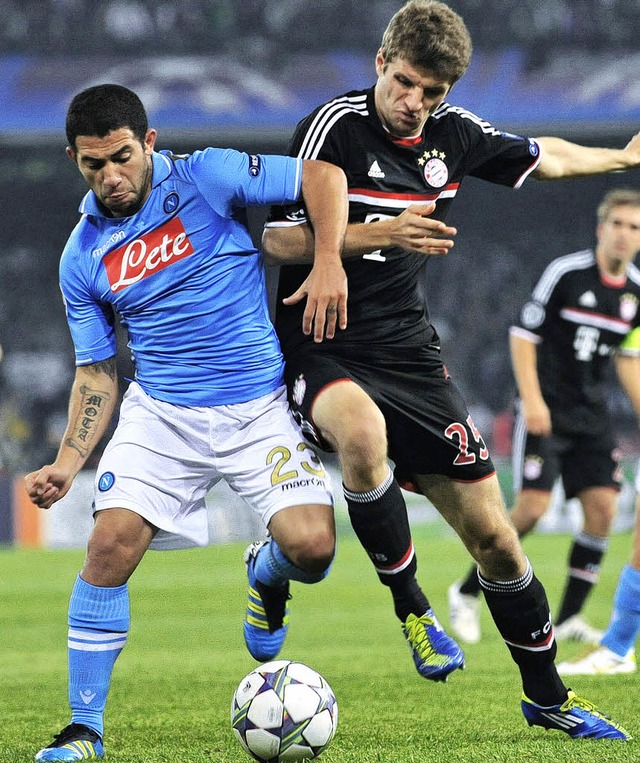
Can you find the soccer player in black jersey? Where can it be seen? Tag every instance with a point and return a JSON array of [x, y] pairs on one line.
[[379, 389], [583, 314], [615, 654]]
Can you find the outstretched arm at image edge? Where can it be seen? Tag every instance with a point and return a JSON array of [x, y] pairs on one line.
[[560, 158]]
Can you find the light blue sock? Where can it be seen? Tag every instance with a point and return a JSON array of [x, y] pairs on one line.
[[624, 626], [274, 569], [98, 626]]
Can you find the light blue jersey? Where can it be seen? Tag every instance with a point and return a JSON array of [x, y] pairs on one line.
[[185, 278]]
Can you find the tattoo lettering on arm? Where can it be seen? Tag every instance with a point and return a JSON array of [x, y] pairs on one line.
[[93, 407]]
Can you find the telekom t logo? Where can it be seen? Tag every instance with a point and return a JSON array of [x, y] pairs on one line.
[[148, 254]]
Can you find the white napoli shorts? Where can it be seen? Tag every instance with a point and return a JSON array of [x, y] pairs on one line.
[[163, 459]]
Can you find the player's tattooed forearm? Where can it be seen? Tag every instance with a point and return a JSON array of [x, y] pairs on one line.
[[93, 407], [107, 367]]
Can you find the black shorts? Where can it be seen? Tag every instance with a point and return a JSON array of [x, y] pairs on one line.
[[582, 461], [429, 428]]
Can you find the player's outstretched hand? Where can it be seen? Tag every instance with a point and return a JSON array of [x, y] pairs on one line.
[[415, 231], [326, 291], [47, 485], [633, 148]]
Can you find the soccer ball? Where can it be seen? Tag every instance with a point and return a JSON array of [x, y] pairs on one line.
[[284, 711]]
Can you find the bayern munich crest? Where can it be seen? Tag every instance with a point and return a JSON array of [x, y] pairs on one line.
[[628, 307], [532, 467], [436, 172]]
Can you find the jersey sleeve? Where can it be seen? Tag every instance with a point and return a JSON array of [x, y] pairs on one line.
[[229, 179], [536, 312], [496, 156], [91, 323], [305, 145]]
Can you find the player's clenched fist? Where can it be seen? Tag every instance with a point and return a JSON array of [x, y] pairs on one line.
[[46, 486]]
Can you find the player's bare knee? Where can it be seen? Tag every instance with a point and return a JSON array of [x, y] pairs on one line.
[[530, 507], [500, 555], [363, 448], [109, 561], [314, 551], [599, 524]]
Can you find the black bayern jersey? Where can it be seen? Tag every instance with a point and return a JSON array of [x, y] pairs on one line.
[[579, 319], [387, 305]]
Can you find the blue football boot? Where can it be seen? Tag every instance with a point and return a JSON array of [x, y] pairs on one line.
[[577, 717], [74, 742], [434, 653], [266, 620]]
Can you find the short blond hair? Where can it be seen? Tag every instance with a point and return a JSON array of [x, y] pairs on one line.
[[618, 197], [430, 36]]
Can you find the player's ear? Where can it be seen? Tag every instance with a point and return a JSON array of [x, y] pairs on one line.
[[379, 62], [150, 140], [72, 154]]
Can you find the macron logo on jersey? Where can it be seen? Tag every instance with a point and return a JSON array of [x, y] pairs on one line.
[[147, 255]]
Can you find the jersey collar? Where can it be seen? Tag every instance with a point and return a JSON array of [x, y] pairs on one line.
[[161, 171], [614, 282]]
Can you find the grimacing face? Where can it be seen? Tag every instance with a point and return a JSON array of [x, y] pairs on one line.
[[406, 96], [117, 168]]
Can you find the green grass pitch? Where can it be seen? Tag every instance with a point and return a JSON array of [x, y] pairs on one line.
[[173, 684]]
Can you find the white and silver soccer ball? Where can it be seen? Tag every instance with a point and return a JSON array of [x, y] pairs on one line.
[[284, 711]]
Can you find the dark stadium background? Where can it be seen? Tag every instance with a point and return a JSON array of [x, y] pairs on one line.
[[218, 72]]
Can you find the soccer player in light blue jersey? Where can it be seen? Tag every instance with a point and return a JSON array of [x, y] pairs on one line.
[[163, 243]]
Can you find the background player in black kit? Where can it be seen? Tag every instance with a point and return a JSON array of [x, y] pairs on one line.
[[380, 388], [584, 312]]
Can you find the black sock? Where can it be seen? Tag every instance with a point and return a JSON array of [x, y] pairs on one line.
[[585, 560], [471, 585], [520, 611], [379, 519]]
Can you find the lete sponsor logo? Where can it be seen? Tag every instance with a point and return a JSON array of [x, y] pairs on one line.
[[147, 255]]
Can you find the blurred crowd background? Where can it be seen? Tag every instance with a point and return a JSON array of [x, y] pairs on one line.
[[505, 237], [275, 27]]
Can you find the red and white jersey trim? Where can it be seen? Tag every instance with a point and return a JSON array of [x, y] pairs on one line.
[[399, 200], [585, 318]]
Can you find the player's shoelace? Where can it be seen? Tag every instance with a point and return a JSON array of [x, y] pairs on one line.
[[416, 632], [576, 716], [574, 702]]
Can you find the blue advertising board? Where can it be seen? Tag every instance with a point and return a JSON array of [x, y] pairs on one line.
[[203, 92]]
